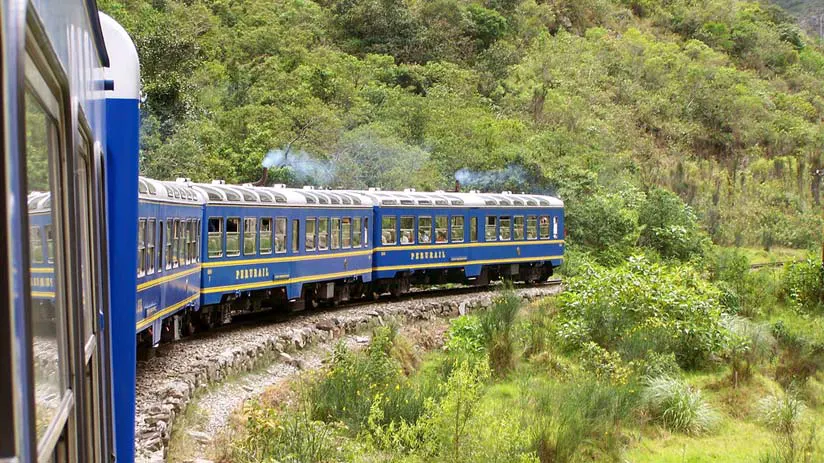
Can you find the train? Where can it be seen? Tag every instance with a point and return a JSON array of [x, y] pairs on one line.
[[208, 252], [100, 260]]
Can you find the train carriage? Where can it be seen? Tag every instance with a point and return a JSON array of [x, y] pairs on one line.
[[168, 259], [464, 237], [63, 149], [270, 246]]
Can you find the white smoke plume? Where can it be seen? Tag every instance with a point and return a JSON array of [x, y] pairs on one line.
[[303, 166]]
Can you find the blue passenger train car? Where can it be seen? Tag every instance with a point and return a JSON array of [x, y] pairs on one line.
[[270, 246], [168, 259], [69, 142], [464, 237]]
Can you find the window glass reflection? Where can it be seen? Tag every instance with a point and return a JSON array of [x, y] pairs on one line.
[[41, 143]]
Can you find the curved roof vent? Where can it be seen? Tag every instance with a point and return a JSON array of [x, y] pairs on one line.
[[308, 187], [218, 182], [183, 180]]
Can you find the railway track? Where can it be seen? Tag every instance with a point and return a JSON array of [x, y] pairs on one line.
[[166, 382], [772, 264]]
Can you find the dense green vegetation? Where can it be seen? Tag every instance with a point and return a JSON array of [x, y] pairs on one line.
[[597, 101], [640, 362]]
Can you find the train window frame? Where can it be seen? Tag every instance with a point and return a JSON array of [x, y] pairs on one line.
[[247, 234], [47, 92], [518, 228], [295, 236], [151, 236], [407, 228], [356, 232], [441, 227], [473, 229], [310, 236], [425, 229], [285, 222], [346, 232], [215, 234], [37, 237], [323, 233], [532, 228], [198, 243], [366, 231], [193, 240], [555, 227], [141, 247], [269, 234], [453, 226], [176, 243], [236, 234], [491, 234], [543, 226], [389, 229], [505, 228], [161, 245], [169, 242], [334, 233]]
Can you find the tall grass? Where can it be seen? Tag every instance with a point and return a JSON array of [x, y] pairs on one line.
[[289, 437], [496, 324], [586, 416], [678, 407], [749, 344], [785, 415]]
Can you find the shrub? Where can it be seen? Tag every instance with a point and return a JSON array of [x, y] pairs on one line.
[[803, 285], [346, 391], [605, 224], [586, 416], [641, 307], [799, 358], [677, 406], [749, 344], [286, 437], [669, 226]]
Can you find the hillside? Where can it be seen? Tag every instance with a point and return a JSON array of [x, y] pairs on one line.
[[594, 100], [807, 12]]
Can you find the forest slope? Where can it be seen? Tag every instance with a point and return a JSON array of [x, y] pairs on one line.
[[595, 100]]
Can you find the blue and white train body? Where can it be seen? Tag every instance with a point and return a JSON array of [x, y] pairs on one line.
[[70, 97]]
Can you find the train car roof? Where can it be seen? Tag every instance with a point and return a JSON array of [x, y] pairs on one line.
[[39, 201], [412, 198], [175, 192], [220, 193]]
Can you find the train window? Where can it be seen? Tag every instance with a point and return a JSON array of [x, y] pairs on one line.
[[50, 243], [555, 227], [473, 229], [215, 237], [424, 230], [356, 232], [141, 247], [335, 232], [457, 229], [178, 256], [233, 237], [310, 234], [169, 242], [280, 234], [160, 247], [366, 231], [518, 227], [323, 233], [197, 240], [346, 232], [193, 241], [185, 249], [441, 224], [265, 235], [150, 245], [544, 227], [407, 229], [250, 233], [36, 245], [531, 227], [42, 153], [295, 234], [491, 232], [389, 225], [505, 229]]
